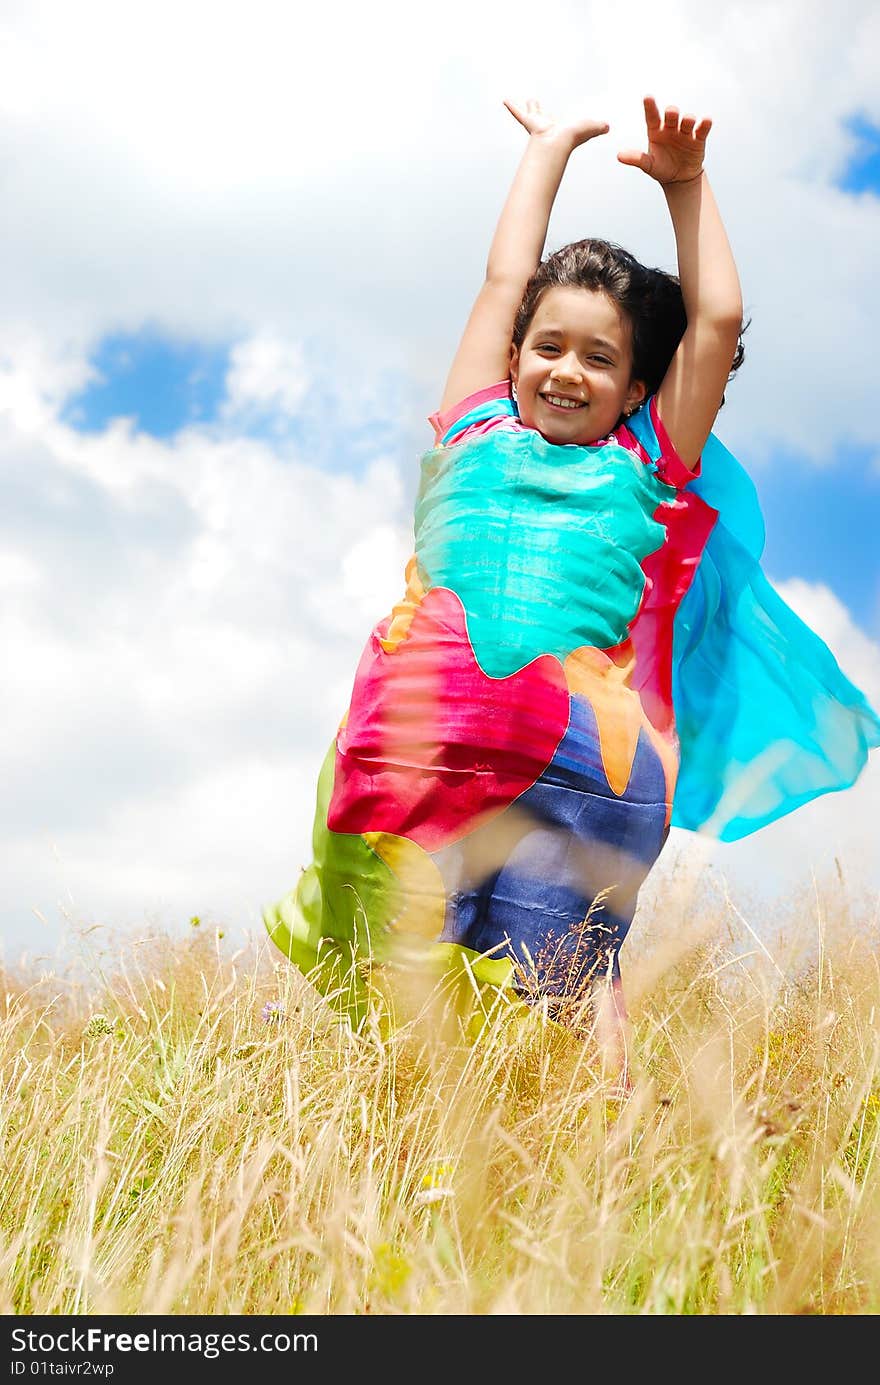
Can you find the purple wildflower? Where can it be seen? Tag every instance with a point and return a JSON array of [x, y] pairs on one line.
[[272, 1012]]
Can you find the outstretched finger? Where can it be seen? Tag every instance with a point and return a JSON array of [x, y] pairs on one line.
[[687, 124], [703, 128], [517, 110], [670, 118], [652, 113]]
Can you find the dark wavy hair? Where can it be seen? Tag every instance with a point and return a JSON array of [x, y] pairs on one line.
[[650, 298]]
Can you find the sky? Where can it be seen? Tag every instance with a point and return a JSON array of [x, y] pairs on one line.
[[239, 244]]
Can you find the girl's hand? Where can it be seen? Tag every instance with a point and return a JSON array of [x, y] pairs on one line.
[[676, 145], [538, 122]]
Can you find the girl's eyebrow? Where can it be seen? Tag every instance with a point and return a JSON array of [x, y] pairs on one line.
[[558, 332]]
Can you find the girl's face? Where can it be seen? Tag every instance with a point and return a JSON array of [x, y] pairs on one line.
[[573, 370]]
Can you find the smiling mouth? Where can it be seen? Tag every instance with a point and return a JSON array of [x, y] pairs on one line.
[[562, 401]]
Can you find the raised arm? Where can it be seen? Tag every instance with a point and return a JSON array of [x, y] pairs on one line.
[[690, 396], [483, 355]]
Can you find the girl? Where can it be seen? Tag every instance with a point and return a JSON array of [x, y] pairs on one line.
[[587, 650]]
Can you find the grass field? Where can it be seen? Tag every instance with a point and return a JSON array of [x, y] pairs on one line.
[[190, 1129]]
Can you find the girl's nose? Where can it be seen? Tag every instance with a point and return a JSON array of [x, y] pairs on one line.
[[567, 367]]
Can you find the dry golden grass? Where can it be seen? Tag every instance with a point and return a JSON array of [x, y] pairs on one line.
[[167, 1150]]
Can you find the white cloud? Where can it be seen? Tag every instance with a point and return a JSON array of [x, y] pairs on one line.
[[183, 623], [265, 373], [817, 605], [219, 846]]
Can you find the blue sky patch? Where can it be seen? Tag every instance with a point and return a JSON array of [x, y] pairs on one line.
[[822, 527], [163, 383], [862, 173]]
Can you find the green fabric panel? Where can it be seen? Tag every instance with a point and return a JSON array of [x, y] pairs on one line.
[[336, 916]]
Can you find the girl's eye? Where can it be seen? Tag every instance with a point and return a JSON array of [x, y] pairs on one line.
[[601, 360]]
